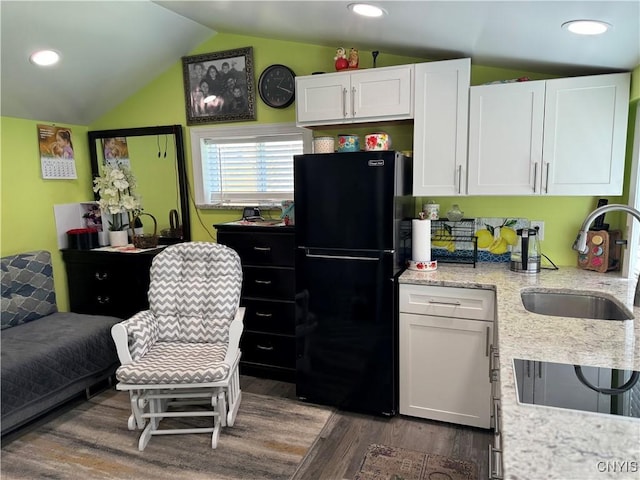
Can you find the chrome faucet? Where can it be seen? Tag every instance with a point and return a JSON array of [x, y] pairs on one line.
[[581, 240]]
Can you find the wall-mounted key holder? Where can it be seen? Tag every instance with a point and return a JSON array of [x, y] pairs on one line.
[[604, 251]]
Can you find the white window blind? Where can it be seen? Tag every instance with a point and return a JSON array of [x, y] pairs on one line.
[[253, 165]]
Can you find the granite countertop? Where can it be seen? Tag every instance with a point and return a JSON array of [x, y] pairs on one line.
[[542, 442]]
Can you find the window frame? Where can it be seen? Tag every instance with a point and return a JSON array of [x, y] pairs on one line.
[[241, 134]]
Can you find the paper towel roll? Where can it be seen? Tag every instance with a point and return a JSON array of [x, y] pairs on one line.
[[421, 240]]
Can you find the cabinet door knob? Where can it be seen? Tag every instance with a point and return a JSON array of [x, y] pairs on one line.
[[263, 282], [266, 315], [262, 249], [101, 275], [103, 300], [265, 348]]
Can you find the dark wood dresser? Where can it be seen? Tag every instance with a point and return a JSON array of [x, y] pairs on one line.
[[108, 283], [268, 293]]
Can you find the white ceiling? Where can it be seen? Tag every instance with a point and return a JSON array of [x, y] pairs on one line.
[[111, 49]]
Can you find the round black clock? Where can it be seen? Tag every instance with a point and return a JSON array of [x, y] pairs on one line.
[[276, 86]]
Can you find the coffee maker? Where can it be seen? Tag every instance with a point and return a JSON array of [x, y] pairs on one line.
[[525, 254]]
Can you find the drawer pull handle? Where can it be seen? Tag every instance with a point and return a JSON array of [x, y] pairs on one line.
[[263, 282], [265, 348], [266, 315], [262, 249], [103, 300], [434, 302], [101, 275]]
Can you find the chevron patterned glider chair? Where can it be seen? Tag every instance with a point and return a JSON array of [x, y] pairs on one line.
[[184, 351]]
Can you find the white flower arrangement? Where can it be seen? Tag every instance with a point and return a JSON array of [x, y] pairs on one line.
[[116, 187]]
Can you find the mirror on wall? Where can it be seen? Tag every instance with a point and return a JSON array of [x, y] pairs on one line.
[[156, 158]]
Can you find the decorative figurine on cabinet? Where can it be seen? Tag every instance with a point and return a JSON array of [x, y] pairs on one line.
[[353, 58], [341, 59]]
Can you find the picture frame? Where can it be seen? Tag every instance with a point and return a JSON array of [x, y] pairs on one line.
[[219, 87]]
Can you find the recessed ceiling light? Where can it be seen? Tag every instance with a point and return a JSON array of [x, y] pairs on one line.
[[44, 58], [586, 27], [366, 10]]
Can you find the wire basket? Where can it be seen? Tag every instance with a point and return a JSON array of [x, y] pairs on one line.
[[146, 240], [454, 242]]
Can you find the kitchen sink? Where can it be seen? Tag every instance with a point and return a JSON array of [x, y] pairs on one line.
[[574, 304]]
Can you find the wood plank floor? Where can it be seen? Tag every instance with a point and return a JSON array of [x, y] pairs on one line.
[[339, 450]]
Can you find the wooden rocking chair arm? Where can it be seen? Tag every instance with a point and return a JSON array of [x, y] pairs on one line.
[[235, 332], [121, 339]]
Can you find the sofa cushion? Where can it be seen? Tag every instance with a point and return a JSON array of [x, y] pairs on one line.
[[47, 361], [27, 288]]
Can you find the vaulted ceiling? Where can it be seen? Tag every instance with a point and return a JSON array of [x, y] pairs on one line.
[[111, 49]]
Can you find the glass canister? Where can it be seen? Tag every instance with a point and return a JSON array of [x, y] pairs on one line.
[[455, 214]]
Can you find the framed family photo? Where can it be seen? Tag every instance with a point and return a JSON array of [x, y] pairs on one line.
[[219, 86]]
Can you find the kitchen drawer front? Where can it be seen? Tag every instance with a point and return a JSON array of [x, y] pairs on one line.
[[276, 350], [471, 303], [269, 316], [271, 283], [257, 248]]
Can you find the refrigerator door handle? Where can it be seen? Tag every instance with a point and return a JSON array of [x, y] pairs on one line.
[[342, 257]]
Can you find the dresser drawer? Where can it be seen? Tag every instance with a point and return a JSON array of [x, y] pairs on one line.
[[106, 283], [268, 282], [471, 303], [269, 316], [257, 248], [276, 350]]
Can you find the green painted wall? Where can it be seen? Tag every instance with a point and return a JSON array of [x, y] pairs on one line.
[[27, 221], [163, 101], [27, 200], [635, 84]]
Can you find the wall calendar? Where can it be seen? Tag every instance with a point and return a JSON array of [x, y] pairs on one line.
[[56, 152]]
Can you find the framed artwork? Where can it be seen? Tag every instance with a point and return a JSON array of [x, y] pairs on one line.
[[219, 86]]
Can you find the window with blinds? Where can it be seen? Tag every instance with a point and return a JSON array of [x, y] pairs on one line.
[[245, 166]]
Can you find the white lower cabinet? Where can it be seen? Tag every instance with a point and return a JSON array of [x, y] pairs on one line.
[[444, 357]]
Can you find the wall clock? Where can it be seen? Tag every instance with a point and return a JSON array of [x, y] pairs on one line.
[[276, 86]]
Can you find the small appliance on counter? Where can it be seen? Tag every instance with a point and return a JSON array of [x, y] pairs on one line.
[[525, 254]]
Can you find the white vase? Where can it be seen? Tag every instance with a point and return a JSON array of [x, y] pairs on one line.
[[118, 238], [103, 238]]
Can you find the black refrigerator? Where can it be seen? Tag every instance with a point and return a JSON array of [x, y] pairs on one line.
[[349, 212]]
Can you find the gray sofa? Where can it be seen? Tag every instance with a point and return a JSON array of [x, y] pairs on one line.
[[47, 357]]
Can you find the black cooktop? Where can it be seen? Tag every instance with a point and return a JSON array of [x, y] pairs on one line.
[[576, 387]]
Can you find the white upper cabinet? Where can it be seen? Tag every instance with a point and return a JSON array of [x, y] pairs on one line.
[[440, 127], [585, 134], [371, 95], [505, 138], [555, 137]]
